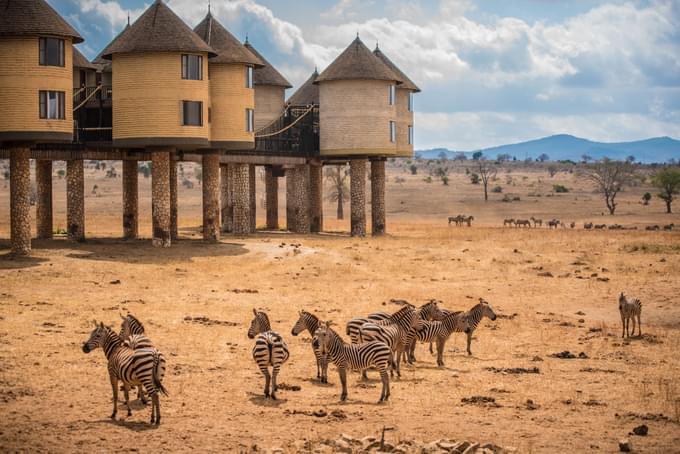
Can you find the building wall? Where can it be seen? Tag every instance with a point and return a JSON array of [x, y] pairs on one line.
[[354, 118], [229, 99], [148, 91], [90, 78], [21, 78], [404, 119], [269, 104]]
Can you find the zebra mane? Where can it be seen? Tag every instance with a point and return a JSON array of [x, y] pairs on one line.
[[477, 306], [136, 320], [455, 314], [303, 312], [263, 314], [401, 313]]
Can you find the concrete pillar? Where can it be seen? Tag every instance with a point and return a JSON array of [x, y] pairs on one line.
[[272, 198], [75, 200], [174, 230], [160, 196], [43, 211], [130, 200], [20, 200], [300, 197], [378, 197], [211, 196], [241, 194], [226, 200], [290, 199], [252, 170], [316, 198], [357, 175]]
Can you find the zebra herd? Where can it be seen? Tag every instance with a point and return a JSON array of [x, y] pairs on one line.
[[461, 219], [379, 341], [551, 223]]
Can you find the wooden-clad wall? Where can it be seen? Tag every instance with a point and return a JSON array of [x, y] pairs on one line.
[[229, 99], [404, 119], [269, 104]]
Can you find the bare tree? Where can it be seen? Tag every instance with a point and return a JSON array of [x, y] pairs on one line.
[[609, 177], [337, 176], [487, 170]]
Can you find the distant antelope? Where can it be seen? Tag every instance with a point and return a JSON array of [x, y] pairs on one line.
[[588, 225], [523, 223], [600, 226], [630, 309], [537, 222], [669, 227], [509, 222], [553, 223]]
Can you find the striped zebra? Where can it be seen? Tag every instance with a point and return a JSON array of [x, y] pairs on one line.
[[630, 309], [439, 331], [475, 315], [397, 332], [132, 334], [355, 357], [355, 324], [428, 311], [143, 366], [270, 350], [310, 322]]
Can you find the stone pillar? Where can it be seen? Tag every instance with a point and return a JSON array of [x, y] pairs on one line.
[[316, 198], [290, 199], [75, 200], [226, 200], [174, 230], [252, 170], [300, 197], [378, 197], [160, 197], [272, 198], [211, 196], [357, 175], [130, 200], [241, 194], [20, 200], [43, 211]]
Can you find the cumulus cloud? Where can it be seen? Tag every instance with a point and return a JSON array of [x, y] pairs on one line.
[[111, 11]]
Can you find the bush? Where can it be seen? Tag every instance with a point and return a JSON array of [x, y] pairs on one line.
[[61, 173], [427, 180], [474, 178], [646, 198], [414, 169], [560, 188], [497, 189], [445, 180], [6, 174]]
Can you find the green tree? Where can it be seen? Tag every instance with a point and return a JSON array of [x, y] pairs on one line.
[[413, 169], [477, 155], [646, 197], [543, 157], [668, 182]]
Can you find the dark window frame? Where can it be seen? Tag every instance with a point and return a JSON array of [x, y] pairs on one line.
[[187, 74], [44, 56], [186, 117], [43, 104]]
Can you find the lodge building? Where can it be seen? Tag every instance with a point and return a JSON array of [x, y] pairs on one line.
[[166, 93]]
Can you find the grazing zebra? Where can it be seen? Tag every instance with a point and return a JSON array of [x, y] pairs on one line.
[[468, 220], [553, 223], [439, 331], [510, 222], [354, 325], [588, 225], [668, 227], [355, 357], [455, 219], [600, 226], [397, 332], [537, 222], [270, 350], [310, 322], [132, 334], [630, 309], [475, 315], [143, 366], [522, 222]]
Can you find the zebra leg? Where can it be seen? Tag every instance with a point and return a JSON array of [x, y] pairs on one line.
[[469, 341], [639, 326], [126, 394], [385, 394], [156, 403], [267, 379], [399, 363], [623, 326], [440, 352], [275, 373], [140, 395], [114, 386], [632, 321], [343, 380], [431, 350]]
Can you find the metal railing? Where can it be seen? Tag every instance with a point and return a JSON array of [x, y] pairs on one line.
[[101, 93], [295, 133]]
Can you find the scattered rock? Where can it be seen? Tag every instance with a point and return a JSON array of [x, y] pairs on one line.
[[625, 445], [514, 370], [582, 355], [580, 313], [287, 387], [641, 431], [546, 274], [594, 403], [530, 405], [115, 282], [569, 355], [483, 401], [536, 359], [202, 320], [320, 413], [243, 290]]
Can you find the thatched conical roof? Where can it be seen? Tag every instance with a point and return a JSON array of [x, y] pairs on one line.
[[33, 17], [228, 48], [159, 29], [357, 62], [267, 74], [406, 82], [99, 60], [79, 60], [307, 94]]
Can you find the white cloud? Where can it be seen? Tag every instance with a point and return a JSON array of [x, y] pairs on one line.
[[111, 11]]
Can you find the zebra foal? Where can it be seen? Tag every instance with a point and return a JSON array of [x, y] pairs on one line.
[[270, 350], [310, 322], [132, 334], [355, 357], [439, 331], [143, 366], [629, 310]]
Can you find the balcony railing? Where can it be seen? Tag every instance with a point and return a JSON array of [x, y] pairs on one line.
[[92, 94], [296, 133]]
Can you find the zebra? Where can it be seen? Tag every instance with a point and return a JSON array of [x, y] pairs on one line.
[[588, 225], [523, 223], [630, 309], [270, 350], [600, 226], [310, 322], [468, 220], [509, 221], [132, 334], [356, 357], [475, 315], [537, 222], [428, 311], [354, 325], [143, 366], [669, 227], [553, 223], [440, 331], [397, 332]]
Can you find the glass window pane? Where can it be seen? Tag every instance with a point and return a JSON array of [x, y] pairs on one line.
[[192, 113], [43, 104]]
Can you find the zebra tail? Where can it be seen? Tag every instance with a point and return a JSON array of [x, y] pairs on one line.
[[156, 374]]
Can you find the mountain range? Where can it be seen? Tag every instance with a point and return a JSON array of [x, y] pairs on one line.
[[564, 146]]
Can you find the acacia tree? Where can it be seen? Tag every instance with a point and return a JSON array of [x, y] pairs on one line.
[[337, 176], [487, 170], [609, 177], [668, 182]]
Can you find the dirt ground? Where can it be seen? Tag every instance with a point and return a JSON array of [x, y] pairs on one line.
[[553, 291]]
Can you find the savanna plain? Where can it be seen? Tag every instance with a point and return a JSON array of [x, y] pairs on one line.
[[553, 290]]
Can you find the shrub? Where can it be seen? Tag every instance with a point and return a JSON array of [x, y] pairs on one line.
[[560, 188], [414, 169], [497, 189], [61, 173], [445, 180], [474, 178], [6, 174], [427, 180], [646, 198]]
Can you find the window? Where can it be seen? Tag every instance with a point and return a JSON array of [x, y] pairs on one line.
[[52, 105], [410, 101], [250, 120], [393, 131], [51, 52], [249, 77], [192, 113], [410, 135], [393, 94], [192, 67]]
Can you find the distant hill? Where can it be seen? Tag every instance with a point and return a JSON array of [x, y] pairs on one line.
[[564, 146]]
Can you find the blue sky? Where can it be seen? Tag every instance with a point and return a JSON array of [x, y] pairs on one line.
[[492, 71]]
